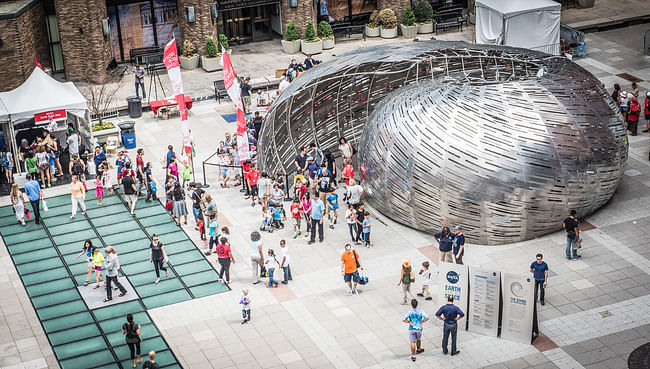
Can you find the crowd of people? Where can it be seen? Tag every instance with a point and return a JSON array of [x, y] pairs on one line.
[[630, 106]]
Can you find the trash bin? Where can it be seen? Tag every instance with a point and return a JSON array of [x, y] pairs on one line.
[[135, 106], [127, 131]]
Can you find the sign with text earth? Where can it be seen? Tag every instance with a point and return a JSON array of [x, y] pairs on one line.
[[518, 307], [452, 281], [485, 286]]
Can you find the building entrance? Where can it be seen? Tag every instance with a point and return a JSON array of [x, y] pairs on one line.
[[249, 21]]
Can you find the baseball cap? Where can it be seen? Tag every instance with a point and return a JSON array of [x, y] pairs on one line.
[[310, 158], [458, 228]]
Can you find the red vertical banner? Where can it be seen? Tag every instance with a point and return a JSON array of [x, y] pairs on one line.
[[232, 87], [170, 58]]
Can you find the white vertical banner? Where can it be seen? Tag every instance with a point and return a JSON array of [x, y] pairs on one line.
[[453, 281], [484, 286], [518, 307]]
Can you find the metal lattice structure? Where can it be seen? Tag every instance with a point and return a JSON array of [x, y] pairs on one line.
[[503, 141]]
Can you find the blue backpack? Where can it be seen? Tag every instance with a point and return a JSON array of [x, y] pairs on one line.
[[4, 160]]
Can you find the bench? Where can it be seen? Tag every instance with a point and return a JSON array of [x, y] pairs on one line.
[[348, 29], [138, 51], [452, 17]]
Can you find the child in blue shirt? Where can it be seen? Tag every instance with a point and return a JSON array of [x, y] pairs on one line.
[[214, 234], [366, 230], [278, 217], [332, 208], [52, 165]]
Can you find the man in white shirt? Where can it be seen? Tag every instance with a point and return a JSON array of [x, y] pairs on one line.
[[284, 262], [284, 83]]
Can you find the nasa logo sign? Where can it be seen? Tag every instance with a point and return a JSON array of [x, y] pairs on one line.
[[452, 277]]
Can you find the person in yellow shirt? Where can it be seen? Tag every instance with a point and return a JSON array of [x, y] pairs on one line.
[[98, 262]]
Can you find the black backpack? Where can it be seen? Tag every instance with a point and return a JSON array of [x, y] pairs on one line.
[[76, 168]]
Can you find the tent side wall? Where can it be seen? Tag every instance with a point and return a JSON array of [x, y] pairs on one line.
[[539, 29], [489, 25]]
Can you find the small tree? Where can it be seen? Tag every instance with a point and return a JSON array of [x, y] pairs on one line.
[[291, 34], [373, 22], [325, 30], [101, 95], [310, 33], [408, 19], [211, 48], [387, 19], [223, 42], [423, 12], [188, 49]]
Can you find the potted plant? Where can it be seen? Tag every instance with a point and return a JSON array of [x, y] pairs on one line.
[[291, 42], [325, 32], [388, 22], [424, 16], [408, 26], [210, 62], [372, 28], [312, 44], [189, 59], [223, 44]]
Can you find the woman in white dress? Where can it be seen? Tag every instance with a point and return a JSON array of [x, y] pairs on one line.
[[18, 201]]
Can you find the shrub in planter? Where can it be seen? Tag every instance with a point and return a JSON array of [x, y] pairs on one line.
[[189, 59], [210, 62], [223, 42], [312, 44], [291, 42], [409, 29], [372, 28], [424, 16], [325, 32], [388, 22]]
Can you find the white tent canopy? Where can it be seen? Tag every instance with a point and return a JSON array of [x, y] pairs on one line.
[[41, 93], [529, 24]]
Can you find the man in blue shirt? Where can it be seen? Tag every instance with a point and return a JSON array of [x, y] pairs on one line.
[[317, 214], [539, 269], [313, 167], [459, 245], [415, 318], [171, 155], [449, 313], [33, 191]]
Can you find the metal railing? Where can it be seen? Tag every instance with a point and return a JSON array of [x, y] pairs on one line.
[[552, 49]]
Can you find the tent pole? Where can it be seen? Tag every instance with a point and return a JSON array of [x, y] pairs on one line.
[[14, 146]]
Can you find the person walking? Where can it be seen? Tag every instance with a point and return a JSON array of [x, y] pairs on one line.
[[284, 263], [245, 302], [151, 363], [633, 116], [450, 314], [179, 208], [87, 251], [572, 229], [98, 261], [197, 196], [257, 256], [539, 268], [317, 214], [112, 267], [425, 274], [458, 246], [99, 189], [77, 194], [130, 191], [35, 194], [353, 193], [151, 183], [158, 256], [445, 244], [132, 332], [646, 111], [415, 318], [366, 226], [350, 266], [405, 279], [271, 266], [350, 219], [18, 202], [139, 171], [360, 217], [224, 257]]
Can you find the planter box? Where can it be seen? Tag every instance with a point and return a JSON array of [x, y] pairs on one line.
[[311, 48], [189, 63], [372, 32], [211, 64], [104, 134], [388, 32], [291, 47], [471, 18], [328, 43], [409, 31], [425, 28]]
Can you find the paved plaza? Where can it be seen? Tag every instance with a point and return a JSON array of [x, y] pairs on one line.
[[597, 309]]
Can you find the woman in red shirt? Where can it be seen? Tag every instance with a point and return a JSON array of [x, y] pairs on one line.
[[633, 116], [224, 257], [646, 111]]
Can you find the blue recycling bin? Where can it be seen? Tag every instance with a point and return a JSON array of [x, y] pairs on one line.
[[127, 131]]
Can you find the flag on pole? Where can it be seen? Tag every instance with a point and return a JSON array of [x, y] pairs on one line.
[[39, 64], [170, 58], [232, 87]]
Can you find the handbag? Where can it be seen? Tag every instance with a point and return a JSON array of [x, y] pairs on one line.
[[169, 205], [152, 187], [44, 205], [28, 215], [263, 272]]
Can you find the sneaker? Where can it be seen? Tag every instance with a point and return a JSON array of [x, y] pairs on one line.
[[350, 292], [331, 226], [428, 298], [295, 235], [49, 185], [420, 294], [356, 291], [542, 302], [310, 242], [244, 321], [208, 253], [298, 233], [253, 204], [335, 220]]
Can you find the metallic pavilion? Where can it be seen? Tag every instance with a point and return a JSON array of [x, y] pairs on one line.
[[502, 141]]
